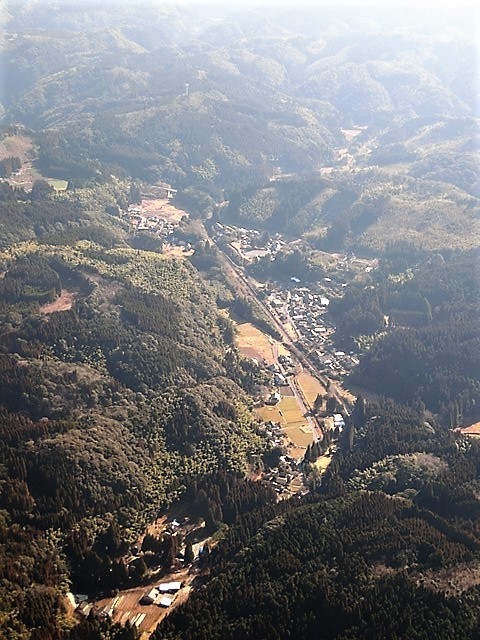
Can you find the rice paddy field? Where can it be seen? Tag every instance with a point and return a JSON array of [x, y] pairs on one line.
[[289, 415], [253, 343], [310, 386]]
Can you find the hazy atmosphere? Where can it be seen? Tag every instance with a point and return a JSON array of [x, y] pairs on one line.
[[239, 336]]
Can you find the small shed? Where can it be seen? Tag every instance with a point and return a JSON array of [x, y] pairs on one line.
[[169, 587], [165, 601], [274, 399]]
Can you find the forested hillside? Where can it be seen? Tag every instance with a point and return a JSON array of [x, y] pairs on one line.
[[418, 317], [379, 550], [223, 106], [108, 408], [316, 133]]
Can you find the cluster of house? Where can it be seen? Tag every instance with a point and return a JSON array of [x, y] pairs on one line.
[[141, 221], [338, 421], [273, 431], [335, 362], [279, 377], [162, 595], [244, 245], [148, 218], [306, 310], [80, 604], [174, 530], [281, 478], [288, 471]]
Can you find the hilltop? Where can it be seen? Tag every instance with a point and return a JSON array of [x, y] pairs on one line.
[[234, 101]]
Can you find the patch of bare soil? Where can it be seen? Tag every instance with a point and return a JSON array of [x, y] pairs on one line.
[[350, 134], [125, 606], [64, 302], [471, 430], [161, 208], [287, 391]]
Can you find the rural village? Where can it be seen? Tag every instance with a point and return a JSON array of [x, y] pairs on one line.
[[301, 408], [292, 410], [229, 438]]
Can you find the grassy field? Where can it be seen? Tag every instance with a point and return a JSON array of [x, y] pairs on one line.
[[172, 251], [270, 414], [289, 409], [310, 386], [162, 208], [252, 343], [58, 185], [300, 437], [296, 428], [322, 463]]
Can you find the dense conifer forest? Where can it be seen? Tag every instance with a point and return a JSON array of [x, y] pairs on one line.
[[368, 554], [424, 313]]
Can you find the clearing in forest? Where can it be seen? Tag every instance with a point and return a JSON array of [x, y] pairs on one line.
[[21, 146], [64, 302], [323, 461], [125, 606], [17, 145], [57, 184], [174, 251], [161, 208]]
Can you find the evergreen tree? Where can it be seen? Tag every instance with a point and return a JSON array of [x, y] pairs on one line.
[[189, 554], [359, 412]]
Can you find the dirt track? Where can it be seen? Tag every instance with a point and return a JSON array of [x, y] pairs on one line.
[[126, 605]]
